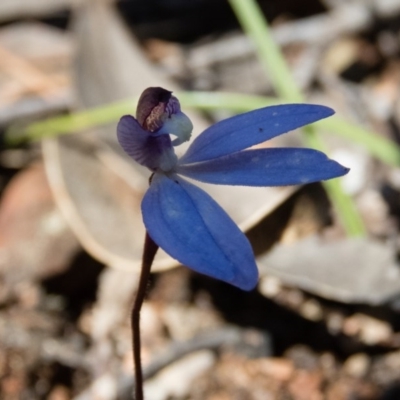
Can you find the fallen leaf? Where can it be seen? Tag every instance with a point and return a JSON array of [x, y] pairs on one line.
[[351, 270], [35, 241]]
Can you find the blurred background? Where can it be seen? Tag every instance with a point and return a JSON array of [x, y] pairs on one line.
[[324, 321]]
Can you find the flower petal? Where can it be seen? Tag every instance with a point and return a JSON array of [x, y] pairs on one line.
[[190, 226], [266, 167], [245, 130], [149, 150]]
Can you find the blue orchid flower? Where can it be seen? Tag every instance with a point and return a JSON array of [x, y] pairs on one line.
[[184, 220]]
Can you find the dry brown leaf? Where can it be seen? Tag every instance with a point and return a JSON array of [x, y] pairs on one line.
[[353, 270], [15, 9], [35, 241], [34, 71]]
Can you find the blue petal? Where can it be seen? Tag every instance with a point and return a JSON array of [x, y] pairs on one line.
[[266, 167], [144, 147], [245, 130], [190, 226]]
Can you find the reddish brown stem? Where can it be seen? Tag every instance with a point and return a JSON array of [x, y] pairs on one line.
[[149, 252]]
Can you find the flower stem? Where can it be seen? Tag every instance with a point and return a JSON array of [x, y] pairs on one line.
[[149, 252]]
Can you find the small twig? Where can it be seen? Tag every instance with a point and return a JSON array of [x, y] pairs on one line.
[[149, 252], [317, 30]]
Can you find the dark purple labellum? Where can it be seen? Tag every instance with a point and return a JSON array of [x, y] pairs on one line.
[[151, 109]]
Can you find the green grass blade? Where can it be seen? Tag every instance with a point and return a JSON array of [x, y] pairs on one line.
[[256, 27], [82, 120], [378, 146]]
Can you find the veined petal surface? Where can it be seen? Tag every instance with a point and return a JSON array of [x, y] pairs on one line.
[[266, 167], [254, 127], [190, 226], [146, 149]]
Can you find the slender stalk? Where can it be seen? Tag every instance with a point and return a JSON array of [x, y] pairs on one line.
[[149, 252]]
